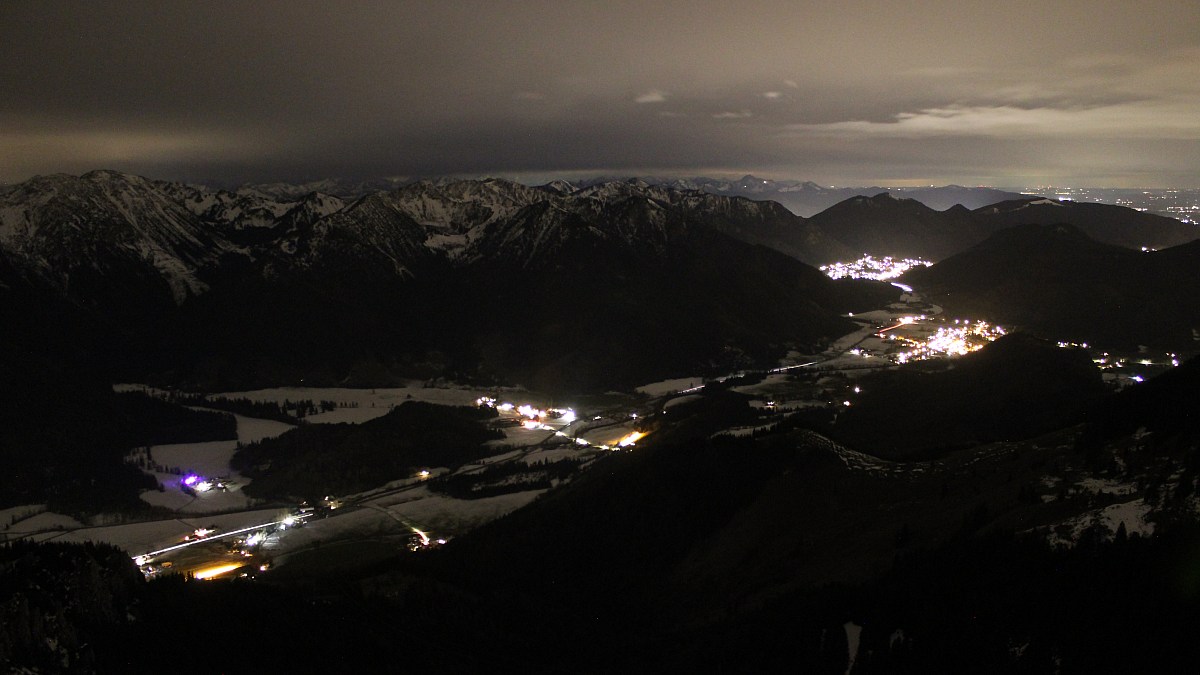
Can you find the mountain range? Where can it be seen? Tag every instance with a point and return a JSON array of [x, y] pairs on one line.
[[917, 530], [806, 198], [554, 285], [479, 279]]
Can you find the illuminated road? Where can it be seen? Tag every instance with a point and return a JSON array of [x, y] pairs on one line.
[[214, 537], [216, 556]]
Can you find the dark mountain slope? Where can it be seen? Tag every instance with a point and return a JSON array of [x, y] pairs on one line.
[[885, 225], [108, 240], [1106, 223], [806, 198], [948, 196], [668, 550], [630, 288], [1057, 280], [1167, 406], [898, 227], [605, 286], [1015, 388]]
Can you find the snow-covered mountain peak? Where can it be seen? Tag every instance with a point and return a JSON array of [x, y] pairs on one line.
[[59, 224]]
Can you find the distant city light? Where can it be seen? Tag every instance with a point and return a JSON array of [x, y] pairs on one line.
[[870, 267], [962, 338]]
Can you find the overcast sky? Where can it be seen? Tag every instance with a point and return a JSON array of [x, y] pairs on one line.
[[1089, 92]]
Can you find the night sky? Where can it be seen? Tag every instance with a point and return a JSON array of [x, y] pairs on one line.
[[1096, 93]]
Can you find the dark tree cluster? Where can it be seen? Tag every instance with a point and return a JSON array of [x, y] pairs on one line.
[[66, 435], [504, 478], [315, 460], [286, 411], [62, 604]]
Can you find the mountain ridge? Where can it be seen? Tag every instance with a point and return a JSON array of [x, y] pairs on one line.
[[422, 275]]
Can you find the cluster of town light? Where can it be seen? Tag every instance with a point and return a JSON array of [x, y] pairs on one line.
[[533, 416], [1106, 361], [870, 267], [963, 337], [535, 419]]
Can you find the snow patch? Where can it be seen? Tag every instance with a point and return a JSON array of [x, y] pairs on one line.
[[1098, 485], [672, 386], [1133, 514], [853, 634]]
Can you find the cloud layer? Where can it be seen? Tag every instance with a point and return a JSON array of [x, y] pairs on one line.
[[848, 92]]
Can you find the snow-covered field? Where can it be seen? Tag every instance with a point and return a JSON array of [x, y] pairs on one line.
[[738, 432], [554, 454], [521, 437], [14, 514], [670, 386], [850, 339], [206, 502], [443, 515], [209, 459], [397, 515], [608, 435], [252, 429], [153, 535], [1132, 514], [680, 400], [877, 316], [493, 459], [365, 398], [1110, 486], [347, 415], [20, 521], [388, 515]]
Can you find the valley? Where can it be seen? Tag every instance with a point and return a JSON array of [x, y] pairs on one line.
[[402, 513], [599, 338], [563, 406]]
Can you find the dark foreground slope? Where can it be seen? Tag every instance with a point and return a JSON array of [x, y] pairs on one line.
[[1014, 388], [701, 553]]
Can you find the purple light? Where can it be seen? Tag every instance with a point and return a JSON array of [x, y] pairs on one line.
[[191, 480]]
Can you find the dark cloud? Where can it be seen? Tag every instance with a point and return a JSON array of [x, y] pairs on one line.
[[845, 92]]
